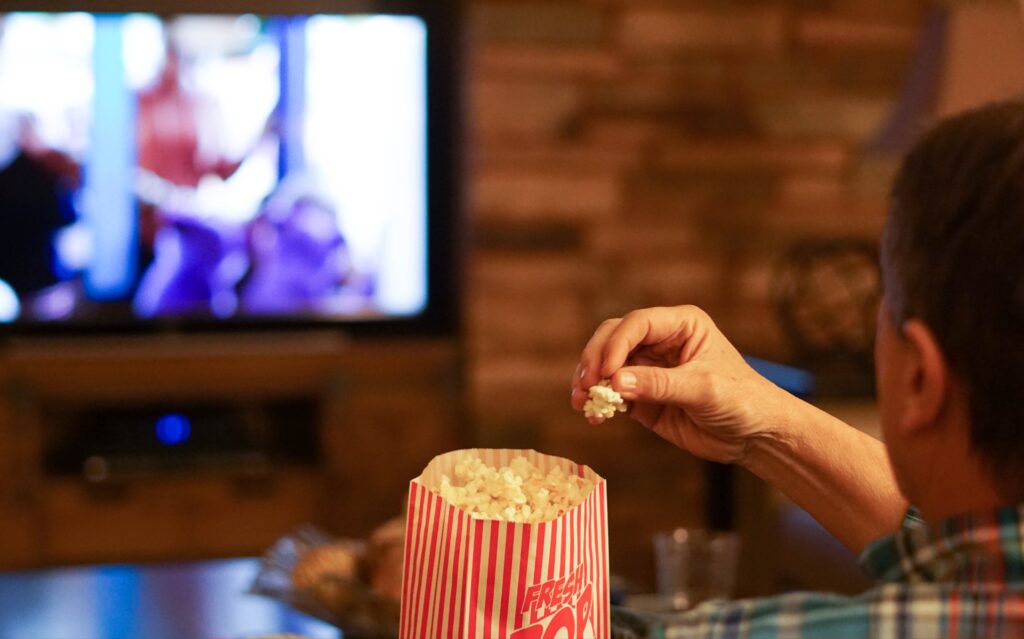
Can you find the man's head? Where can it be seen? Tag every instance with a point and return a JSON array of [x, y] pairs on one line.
[[953, 268]]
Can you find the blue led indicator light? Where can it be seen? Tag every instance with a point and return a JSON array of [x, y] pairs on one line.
[[173, 429]]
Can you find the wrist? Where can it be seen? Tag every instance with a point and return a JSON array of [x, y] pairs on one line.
[[778, 443]]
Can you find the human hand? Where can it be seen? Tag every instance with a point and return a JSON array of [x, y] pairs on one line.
[[685, 381]]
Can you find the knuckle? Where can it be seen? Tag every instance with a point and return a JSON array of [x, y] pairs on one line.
[[607, 324], [694, 311], [660, 385]]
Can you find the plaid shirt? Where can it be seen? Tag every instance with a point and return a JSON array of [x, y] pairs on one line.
[[962, 578]]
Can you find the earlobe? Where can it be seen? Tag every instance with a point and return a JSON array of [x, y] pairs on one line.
[[928, 377]]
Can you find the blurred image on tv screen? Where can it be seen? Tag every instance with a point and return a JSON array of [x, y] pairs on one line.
[[207, 166]]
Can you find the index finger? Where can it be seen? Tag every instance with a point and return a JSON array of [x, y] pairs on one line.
[[646, 327], [590, 358]]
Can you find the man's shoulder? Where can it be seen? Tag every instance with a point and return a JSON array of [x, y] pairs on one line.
[[887, 610]]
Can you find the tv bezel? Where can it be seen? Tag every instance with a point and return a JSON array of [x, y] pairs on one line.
[[442, 315]]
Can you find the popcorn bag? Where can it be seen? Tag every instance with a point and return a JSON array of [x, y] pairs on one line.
[[497, 548]]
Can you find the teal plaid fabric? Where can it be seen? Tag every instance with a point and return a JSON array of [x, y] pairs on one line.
[[962, 578]]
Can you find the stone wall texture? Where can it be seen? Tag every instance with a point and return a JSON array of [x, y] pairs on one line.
[[634, 153]]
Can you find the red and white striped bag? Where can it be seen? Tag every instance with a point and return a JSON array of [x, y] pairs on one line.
[[472, 578]]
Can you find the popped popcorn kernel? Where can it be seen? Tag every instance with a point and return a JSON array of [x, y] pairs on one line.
[[519, 492], [604, 401]]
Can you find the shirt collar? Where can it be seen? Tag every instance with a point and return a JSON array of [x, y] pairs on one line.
[[982, 547]]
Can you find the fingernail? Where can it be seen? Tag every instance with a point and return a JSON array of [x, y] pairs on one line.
[[627, 381], [583, 373], [576, 373]]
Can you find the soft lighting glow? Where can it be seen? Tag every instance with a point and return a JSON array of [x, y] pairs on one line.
[[173, 429], [9, 305]]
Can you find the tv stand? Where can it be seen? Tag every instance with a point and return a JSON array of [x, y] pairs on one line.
[[383, 408]]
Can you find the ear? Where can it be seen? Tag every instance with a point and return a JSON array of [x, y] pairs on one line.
[[927, 377]]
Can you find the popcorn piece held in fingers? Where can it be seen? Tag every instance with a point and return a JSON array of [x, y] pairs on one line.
[[604, 401]]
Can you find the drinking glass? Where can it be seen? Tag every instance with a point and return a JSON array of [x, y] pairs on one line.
[[693, 565]]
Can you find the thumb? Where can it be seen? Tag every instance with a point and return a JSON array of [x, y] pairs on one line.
[[654, 384]]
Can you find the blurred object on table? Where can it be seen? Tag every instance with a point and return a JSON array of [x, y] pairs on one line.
[[633, 624], [330, 573], [384, 558], [345, 582], [694, 565]]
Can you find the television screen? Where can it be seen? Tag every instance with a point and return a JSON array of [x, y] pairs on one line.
[[215, 169]]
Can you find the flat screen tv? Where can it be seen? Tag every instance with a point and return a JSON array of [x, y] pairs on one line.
[[216, 164]]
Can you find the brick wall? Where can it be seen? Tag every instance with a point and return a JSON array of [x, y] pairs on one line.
[[629, 153]]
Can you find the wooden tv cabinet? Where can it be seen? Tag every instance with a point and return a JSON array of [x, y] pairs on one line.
[[384, 408]]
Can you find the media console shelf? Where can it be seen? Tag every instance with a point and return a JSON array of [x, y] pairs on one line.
[[380, 410]]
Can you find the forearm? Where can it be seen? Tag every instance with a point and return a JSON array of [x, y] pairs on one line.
[[838, 474]]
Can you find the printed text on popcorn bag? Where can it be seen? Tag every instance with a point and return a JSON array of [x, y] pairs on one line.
[[555, 605]]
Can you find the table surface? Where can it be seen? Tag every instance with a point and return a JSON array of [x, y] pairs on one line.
[[194, 600]]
